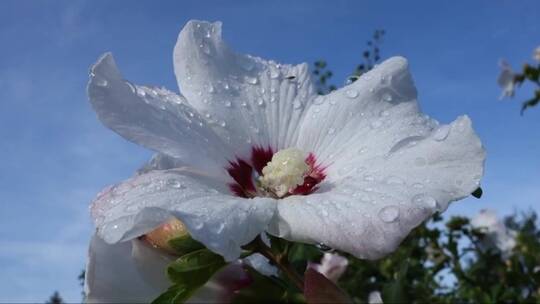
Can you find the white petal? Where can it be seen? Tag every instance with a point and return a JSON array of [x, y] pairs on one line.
[[375, 298], [387, 170], [260, 263], [332, 266], [113, 274], [250, 99], [220, 221], [359, 111], [155, 118]]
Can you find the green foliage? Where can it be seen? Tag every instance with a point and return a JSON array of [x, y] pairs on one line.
[[55, 299], [529, 74], [188, 273], [370, 56], [447, 264], [184, 244]]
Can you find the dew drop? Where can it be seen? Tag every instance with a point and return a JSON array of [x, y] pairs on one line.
[[260, 102], [251, 80], [101, 82], [297, 104], [389, 214], [211, 89], [331, 131], [323, 247], [175, 184], [228, 104], [418, 185], [387, 97], [441, 133], [223, 124], [351, 93], [274, 73], [376, 124], [425, 201], [394, 180]]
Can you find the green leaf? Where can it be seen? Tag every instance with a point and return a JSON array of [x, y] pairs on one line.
[[175, 294], [318, 289], [195, 267], [477, 193], [393, 292], [189, 273], [185, 244]]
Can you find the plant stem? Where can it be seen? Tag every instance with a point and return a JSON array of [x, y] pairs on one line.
[[280, 260]]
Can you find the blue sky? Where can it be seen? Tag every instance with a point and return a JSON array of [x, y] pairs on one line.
[[56, 155]]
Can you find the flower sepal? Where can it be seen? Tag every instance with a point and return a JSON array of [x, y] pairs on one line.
[[184, 245]]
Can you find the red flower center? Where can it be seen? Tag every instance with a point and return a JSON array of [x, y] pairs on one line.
[[246, 173]]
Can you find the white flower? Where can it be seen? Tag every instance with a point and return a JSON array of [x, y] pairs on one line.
[[536, 54], [497, 235], [506, 79], [375, 298], [332, 266], [377, 166]]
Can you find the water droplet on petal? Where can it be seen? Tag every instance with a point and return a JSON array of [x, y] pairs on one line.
[[376, 124], [101, 82], [223, 124], [274, 73], [331, 131], [418, 185], [351, 93], [389, 214], [260, 102], [175, 183], [323, 247], [394, 180], [424, 200], [251, 80], [228, 104], [387, 97], [369, 177], [441, 133]]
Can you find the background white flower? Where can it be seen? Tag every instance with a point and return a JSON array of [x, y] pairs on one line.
[[378, 166], [375, 298], [536, 54], [332, 266], [498, 236], [506, 79]]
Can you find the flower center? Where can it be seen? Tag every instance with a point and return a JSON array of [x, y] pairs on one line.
[[284, 172], [277, 175]]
